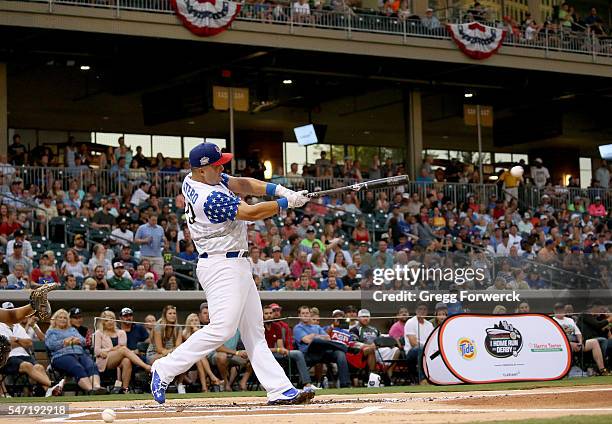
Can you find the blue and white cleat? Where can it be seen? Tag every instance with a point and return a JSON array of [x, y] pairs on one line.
[[294, 397], [158, 388]]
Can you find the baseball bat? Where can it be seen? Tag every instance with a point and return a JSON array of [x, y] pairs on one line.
[[378, 183]]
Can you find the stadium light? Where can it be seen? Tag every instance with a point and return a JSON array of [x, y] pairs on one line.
[[468, 95], [287, 82], [85, 67]]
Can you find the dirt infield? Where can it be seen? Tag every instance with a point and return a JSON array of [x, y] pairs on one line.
[[442, 407]]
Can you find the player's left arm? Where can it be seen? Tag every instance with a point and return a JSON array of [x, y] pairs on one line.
[[251, 186]]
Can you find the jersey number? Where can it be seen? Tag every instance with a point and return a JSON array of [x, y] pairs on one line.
[[191, 216]]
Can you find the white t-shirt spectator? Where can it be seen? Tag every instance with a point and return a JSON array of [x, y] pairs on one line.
[[503, 250], [540, 175], [530, 33], [258, 268], [570, 328], [139, 197], [122, 238], [277, 268], [420, 330], [303, 9], [27, 248], [16, 331], [603, 176]]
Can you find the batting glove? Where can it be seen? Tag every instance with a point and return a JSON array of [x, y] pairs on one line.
[[297, 199]]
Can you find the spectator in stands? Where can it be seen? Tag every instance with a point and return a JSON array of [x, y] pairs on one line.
[[298, 266], [172, 284], [274, 337], [539, 173], [168, 272], [119, 281], [367, 334], [149, 282], [310, 239], [352, 279], [384, 253], [76, 321], [189, 254], [511, 185], [99, 277], [20, 360], [135, 333], [27, 250], [111, 351], [440, 314], [276, 266], [150, 237], [73, 266], [45, 212], [594, 323], [595, 25], [103, 220], [70, 283], [141, 194], [18, 279], [166, 335], [44, 270], [17, 152], [309, 337], [258, 266], [397, 329], [575, 338], [68, 355], [122, 234], [432, 23], [204, 315], [602, 174], [416, 332], [192, 324], [99, 258], [80, 247], [597, 209]]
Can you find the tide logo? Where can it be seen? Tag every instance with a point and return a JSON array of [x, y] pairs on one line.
[[467, 348]]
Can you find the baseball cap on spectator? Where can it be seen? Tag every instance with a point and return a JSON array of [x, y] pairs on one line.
[[78, 237], [18, 244], [118, 264], [363, 313], [597, 198], [543, 217], [276, 249], [545, 196], [310, 229], [126, 311], [275, 306], [8, 305], [74, 312], [352, 266], [441, 306], [526, 215], [149, 275], [349, 308], [19, 233], [208, 154], [337, 312], [203, 305], [575, 249], [558, 306], [384, 236], [429, 9], [549, 242], [538, 160]]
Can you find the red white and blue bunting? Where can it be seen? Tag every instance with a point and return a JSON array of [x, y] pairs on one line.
[[206, 17], [476, 40]]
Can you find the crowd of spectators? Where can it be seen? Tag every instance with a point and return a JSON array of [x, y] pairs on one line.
[[339, 351], [334, 242]]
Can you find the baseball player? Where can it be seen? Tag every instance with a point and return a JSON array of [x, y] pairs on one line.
[[216, 218], [39, 306]]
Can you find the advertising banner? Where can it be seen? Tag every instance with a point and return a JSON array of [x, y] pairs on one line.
[[497, 348]]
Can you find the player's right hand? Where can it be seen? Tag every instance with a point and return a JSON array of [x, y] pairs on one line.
[[297, 199]]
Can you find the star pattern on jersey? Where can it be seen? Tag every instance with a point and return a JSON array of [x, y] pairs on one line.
[[220, 207]]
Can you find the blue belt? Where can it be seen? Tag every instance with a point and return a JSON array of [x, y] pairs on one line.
[[231, 254]]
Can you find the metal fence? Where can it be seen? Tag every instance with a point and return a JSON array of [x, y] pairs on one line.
[[350, 20]]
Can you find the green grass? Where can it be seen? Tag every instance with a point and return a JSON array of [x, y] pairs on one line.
[[571, 419], [349, 391]]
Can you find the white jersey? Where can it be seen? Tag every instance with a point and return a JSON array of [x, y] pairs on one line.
[[211, 216]]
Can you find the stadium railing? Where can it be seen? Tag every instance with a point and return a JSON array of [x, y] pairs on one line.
[[351, 20]]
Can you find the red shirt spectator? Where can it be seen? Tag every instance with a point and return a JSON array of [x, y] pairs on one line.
[[298, 266], [597, 209], [273, 334], [288, 340]]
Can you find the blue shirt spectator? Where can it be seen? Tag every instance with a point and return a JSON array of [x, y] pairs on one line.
[[54, 340], [150, 236], [136, 335], [301, 330]]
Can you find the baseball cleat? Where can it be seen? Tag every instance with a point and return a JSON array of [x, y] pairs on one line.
[[294, 397], [158, 388]]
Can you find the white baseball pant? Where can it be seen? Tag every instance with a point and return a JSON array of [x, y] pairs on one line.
[[233, 303]]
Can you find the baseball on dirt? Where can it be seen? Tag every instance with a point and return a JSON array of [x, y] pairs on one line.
[[517, 171], [108, 415]]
